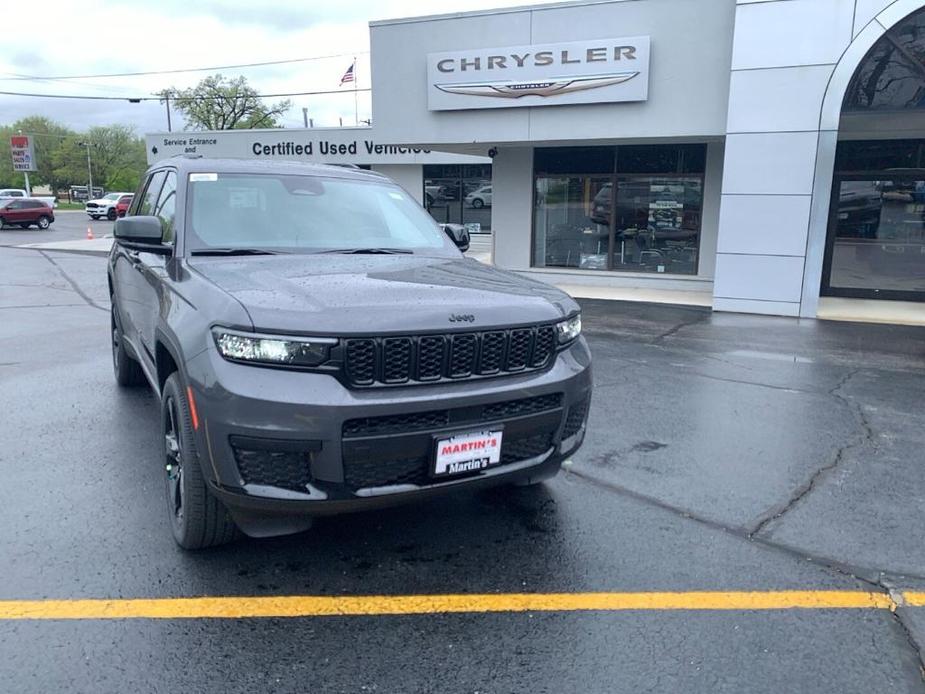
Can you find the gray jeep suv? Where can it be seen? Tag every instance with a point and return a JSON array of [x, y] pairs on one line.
[[319, 345]]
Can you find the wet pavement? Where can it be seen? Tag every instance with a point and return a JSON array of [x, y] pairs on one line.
[[725, 453], [69, 225]]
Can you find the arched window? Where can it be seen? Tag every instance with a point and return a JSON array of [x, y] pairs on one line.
[[892, 75]]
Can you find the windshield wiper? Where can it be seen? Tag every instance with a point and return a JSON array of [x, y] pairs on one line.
[[233, 251], [368, 251]]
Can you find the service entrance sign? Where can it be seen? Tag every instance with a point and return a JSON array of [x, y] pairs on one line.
[[23, 156]]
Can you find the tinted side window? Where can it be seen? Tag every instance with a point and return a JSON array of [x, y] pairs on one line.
[[136, 198], [149, 199], [167, 206]]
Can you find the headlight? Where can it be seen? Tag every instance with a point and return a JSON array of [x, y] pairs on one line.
[[568, 330], [267, 349]]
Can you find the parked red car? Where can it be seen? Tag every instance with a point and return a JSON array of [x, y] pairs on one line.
[[123, 205], [25, 212]]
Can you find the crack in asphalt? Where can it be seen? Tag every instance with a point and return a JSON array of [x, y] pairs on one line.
[[678, 327], [860, 573], [76, 287], [805, 489], [710, 377], [911, 640], [875, 579], [896, 611]]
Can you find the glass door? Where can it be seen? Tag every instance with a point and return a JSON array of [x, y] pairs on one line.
[[876, 241]]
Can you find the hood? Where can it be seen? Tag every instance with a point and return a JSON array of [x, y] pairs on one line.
[[350, 294]]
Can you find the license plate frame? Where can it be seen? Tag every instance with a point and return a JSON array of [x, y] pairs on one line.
[[449, 465]]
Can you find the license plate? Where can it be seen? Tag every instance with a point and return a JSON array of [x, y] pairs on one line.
[[468, 452]]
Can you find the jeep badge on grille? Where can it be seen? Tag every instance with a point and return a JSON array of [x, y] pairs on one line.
[[462, 318]]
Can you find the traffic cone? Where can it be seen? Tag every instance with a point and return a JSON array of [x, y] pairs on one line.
[[89, 234]]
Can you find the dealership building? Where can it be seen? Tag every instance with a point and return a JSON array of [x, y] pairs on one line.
[[761, 156]]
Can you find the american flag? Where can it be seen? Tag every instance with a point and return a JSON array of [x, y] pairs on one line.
[[348, 76]]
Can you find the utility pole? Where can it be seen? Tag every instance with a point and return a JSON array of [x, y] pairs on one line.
[[167, 104], [89, 170], [305, 115]]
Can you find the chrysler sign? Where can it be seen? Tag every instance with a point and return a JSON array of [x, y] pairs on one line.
[[578, 72]]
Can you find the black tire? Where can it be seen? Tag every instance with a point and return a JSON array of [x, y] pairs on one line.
[[44, 222], [111, 214], [2, 222], [197, 519], [127, 371], [478, 203]]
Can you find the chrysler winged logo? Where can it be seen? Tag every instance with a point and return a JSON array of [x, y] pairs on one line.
[[551, 87]]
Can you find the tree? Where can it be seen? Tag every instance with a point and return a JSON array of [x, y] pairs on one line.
[[70, 162], [118, 156], [219, 103]]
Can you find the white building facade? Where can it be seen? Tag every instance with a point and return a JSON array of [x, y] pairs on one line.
[[761, 156]]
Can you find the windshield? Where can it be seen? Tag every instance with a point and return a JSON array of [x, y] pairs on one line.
[[305, 214], [112, 196]]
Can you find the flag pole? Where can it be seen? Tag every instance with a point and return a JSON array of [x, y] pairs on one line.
[[356, 108]]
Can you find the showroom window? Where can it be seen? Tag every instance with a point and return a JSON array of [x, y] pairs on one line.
[[632, 208], [459, 194]]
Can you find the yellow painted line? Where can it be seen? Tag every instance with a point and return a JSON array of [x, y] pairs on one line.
[[375, 605], [913, 598]]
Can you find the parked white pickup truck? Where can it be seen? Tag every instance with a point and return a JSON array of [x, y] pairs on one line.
[[7, 193]]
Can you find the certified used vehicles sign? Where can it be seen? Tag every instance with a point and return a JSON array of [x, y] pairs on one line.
[[467, 452]]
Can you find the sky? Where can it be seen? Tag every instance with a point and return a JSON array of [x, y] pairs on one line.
[[176, 34]]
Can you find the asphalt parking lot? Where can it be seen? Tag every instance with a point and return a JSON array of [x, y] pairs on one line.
[[69, 225], [745, 515]]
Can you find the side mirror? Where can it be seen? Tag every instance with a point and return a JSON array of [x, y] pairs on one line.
[[143, 232], [458, 234]]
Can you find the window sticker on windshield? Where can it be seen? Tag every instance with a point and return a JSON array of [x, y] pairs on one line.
[[243, 198], [193, 177]]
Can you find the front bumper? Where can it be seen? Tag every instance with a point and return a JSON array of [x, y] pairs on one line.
[[280, 447]]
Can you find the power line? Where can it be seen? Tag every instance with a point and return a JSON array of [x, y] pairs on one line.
[[17, 76], [160, 98]]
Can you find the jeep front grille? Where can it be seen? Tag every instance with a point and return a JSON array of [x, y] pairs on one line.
[[454, 356]]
